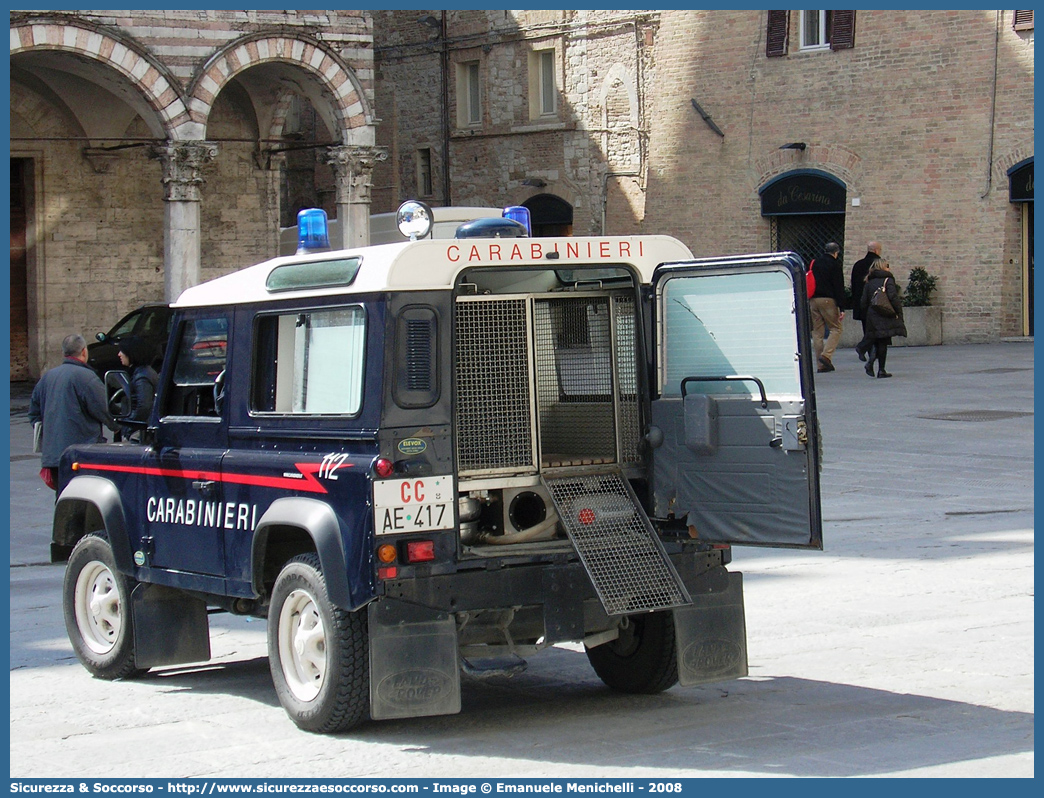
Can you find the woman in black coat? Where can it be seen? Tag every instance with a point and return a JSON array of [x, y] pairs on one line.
[[880, 327], [135, 355]]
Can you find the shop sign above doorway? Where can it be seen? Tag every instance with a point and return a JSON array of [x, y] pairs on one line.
[[803, 192], [1020, 182]]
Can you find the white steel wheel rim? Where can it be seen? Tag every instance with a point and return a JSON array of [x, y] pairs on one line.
[[302, 645], [99, 612]]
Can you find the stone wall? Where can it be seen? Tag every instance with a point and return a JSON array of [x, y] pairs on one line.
[[93, 91], [920, 120], [596, 129]]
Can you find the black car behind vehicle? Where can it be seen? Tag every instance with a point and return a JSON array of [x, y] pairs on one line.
[[150, 322]]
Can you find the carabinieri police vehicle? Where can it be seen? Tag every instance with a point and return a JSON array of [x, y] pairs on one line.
[[437, 456]]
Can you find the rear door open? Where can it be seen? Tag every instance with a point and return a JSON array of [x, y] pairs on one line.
[[739, 457]]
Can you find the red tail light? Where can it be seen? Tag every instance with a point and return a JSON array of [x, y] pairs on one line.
[[388, 572], [383, 468], [420, 551], [586, 516]]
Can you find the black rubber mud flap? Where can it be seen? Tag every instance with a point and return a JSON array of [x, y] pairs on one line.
[[616, 543], [170, 627], [711, 635], [414, 661]]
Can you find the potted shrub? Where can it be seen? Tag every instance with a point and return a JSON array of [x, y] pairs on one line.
[[923, 320], [918, 293]]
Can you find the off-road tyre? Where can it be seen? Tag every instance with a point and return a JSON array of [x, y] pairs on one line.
[[97, 608], [643, 659], [318, 653]]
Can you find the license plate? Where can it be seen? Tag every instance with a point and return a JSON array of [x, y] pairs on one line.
[[413, 505]]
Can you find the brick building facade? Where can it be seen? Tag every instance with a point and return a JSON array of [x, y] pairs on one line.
[[154, 149], [735, 131], [149, 151]]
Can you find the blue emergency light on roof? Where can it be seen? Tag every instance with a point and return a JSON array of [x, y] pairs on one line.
[[520, 214], [492, 227], [312, 227]]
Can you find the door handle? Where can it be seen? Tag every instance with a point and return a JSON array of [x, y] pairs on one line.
[[729, 378], [204, 486]]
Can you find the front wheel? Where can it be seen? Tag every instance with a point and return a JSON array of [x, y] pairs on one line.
[[643, 659], [96, 603], [317, 652]]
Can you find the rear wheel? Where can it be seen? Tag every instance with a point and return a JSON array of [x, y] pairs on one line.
[[96, 603], [643, 659], [317, 652]]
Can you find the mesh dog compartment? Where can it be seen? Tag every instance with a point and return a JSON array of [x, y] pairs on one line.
[[551, 375], [494, 406]]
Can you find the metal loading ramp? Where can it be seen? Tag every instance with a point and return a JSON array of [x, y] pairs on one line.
[[616, 543]]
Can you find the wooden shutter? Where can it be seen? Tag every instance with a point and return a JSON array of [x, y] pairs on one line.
[[842, 30], [776, 38], [1022, 20]]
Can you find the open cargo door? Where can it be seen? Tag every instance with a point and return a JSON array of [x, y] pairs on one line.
[[739, 457]]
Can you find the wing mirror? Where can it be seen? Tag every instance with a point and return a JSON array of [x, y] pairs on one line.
[[117, 393]]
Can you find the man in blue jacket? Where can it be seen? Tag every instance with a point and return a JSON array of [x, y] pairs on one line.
[[826, 303], [70, 401]]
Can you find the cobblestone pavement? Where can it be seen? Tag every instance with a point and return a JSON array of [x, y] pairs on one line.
[[905, 648]]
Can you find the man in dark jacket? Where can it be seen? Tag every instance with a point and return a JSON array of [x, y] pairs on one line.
[[70, 401], [826, 305], [860, 270]]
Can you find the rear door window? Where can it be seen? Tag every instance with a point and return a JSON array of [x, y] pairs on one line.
[[310, 362]]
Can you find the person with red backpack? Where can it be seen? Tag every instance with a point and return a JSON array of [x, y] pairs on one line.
[[825, 303]]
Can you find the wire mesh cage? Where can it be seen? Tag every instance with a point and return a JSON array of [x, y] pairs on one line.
[[577, 406], [494, 405]]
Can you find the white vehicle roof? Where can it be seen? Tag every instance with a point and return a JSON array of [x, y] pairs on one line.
[[434, 265], [384, 230]]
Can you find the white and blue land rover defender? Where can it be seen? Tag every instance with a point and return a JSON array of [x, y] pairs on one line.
[[442, 455]]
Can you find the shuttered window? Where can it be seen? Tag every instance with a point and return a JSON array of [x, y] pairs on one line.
[[842, 30], [776, 39], [469, 105], [1022, 20], [819, 29]]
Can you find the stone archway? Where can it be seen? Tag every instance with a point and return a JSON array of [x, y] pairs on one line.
[[342, 100], [330, 86], [550, 215], [151, 80]]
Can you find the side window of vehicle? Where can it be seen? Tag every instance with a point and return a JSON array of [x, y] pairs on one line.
[[199, 368], [310, 362], [155, 324], [127, 327]]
